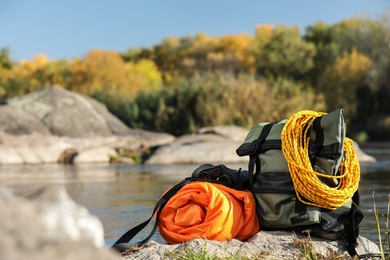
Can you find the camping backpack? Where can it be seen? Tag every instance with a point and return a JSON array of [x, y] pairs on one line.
[[305, 176]]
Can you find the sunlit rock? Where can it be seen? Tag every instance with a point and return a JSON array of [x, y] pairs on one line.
[[197, 149], [263, 245], [48, 225], [232, 132], [40, 126]]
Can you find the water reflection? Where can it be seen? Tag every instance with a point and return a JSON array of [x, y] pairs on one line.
[[124, 196], [377, 181]]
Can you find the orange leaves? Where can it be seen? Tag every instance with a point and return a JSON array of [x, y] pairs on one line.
[[27, 68], [27, 76], [97, 70]]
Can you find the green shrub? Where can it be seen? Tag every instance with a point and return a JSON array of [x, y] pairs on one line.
[[211, 99]]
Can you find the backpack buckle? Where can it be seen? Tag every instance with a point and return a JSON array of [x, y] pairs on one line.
[[250, 148]]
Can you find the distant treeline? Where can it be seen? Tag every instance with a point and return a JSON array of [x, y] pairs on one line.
[[189, 82]]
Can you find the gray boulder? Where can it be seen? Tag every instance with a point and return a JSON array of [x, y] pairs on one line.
[[34, 148], [41, 126], [232, 132], [16, 121], [48, 225], [263, 245], [38, 148], [197, 149], [65, 113], [363, 157]]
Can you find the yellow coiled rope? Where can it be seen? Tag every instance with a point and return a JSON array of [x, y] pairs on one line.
[[295, 144]]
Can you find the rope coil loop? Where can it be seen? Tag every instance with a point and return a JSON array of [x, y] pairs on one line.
[[295, 144]]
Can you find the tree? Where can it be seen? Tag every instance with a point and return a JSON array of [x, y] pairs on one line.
[[235, 54], [369, 37], [98, 70], [102, 71], [27, 76], [263, 34], [145, 75], [168, 56], [5, 60], [287, 54], [200, 54], [5, 67], [340, 82], [326, 46]]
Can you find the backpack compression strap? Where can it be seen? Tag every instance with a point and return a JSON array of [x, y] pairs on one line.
[[253, 157], [122, 244]]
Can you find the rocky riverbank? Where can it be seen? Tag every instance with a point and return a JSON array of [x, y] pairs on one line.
[[54, 125], [50, 225], [263, 245]]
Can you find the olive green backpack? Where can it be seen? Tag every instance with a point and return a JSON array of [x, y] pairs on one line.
[[278, 205]]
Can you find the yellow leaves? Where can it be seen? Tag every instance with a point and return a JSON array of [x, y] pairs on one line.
[[203, 43], [38, 62], [350, 69], [26, 68], [349, 22], [201, 53], [321, 26], [147, 75], [236, 43], [228, 53], [237, 49], [264, 32], [172, 42], [106, 71], [146, 68], [27, 76], [349, 72], [5, 74], [283, 29]]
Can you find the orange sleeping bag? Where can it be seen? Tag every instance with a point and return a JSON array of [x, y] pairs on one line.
[[210, 211]]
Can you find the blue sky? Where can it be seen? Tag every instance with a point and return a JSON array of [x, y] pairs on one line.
[[68, 29]]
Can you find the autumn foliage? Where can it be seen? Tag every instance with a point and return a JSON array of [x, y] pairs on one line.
[[184, 83]]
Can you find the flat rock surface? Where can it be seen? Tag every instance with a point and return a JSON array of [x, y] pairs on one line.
[[263, 245]]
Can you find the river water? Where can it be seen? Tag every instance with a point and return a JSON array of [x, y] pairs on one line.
[[123, 196]]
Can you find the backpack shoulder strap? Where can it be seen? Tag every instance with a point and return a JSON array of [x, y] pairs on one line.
[[352, 226], [122, 244]]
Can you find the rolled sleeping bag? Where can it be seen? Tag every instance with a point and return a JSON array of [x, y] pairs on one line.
[[209, 211]]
